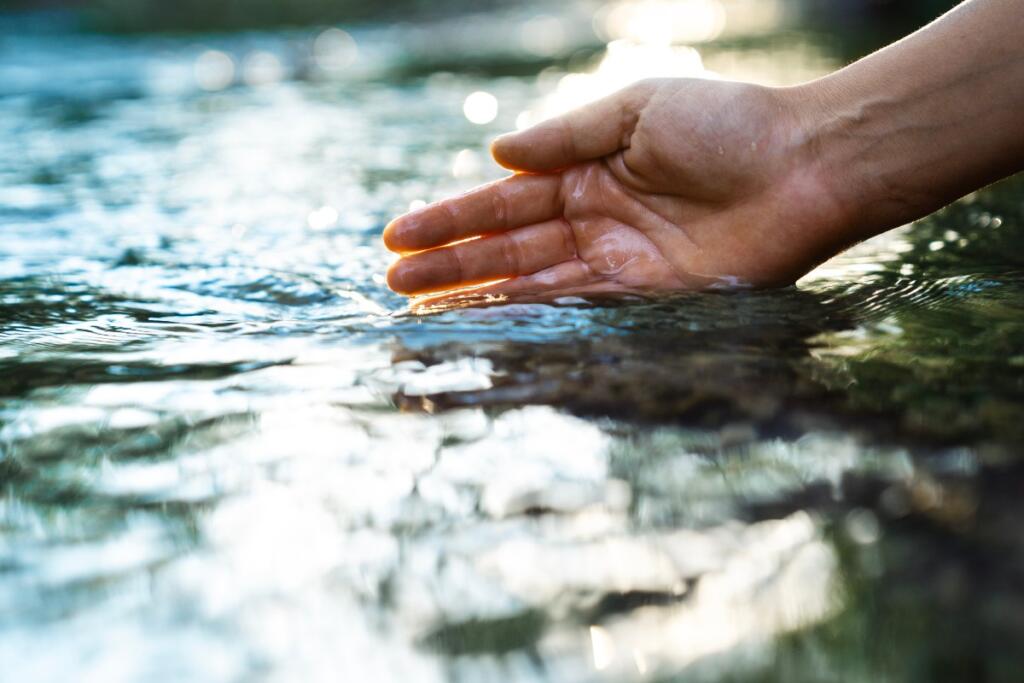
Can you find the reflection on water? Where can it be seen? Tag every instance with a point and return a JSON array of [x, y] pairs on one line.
[[228, 452]]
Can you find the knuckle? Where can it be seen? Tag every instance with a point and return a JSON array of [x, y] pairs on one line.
[[456, 267], [510, 254], [451, 227], [500, 207], [568, 238]]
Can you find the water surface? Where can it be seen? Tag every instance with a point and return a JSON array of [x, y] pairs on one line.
[[227, 452]]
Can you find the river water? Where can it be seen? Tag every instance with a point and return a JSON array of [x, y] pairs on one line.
[[228, 452]]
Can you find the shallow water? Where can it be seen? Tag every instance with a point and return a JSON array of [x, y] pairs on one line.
[[227, 452]]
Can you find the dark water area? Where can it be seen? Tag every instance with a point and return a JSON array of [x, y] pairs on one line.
[[228, 452]]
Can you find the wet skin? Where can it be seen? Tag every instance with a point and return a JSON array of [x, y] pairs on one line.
[[668, 185], [679, 184]]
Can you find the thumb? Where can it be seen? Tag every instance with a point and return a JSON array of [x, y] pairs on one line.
[[590, 132]]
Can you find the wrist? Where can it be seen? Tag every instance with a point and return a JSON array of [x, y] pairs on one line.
[[851, 144]]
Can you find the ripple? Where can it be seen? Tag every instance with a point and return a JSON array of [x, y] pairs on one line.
[[225, 446]]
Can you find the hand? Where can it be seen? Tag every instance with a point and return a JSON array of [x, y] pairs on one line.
[[667, 185], [692, 184]]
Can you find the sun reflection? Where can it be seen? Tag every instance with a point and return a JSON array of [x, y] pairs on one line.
[[305, 478], [646, 39], [214, 70], [323, 218], [664, 21], [624, 62], [262, 68], [602, 647], [640, 659], [524, 120], [467, 164], [334, 50], [481, 107]]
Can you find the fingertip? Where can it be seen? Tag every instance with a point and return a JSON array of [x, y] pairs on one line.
[[400, 234], [396, 278], [502, 140], [498, 149], [391, 236], [503, 151]]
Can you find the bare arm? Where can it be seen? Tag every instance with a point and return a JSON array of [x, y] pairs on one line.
[[926, 120]]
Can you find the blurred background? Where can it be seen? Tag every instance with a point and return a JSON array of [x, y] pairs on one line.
[[228, 452], [219, 15], [881, 20]]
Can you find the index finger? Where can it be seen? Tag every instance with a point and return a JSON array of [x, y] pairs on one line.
[[503, 205]]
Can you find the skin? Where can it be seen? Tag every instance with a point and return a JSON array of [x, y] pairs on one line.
[[683, 184]]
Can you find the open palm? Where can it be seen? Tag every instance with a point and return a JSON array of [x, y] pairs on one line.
[[667, 185]]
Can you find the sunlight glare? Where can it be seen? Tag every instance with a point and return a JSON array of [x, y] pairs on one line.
[[640, 659], [524, 120], [480, 107], [603, 647], [665, 22], [323, 218], [624, 63], [466, 164]]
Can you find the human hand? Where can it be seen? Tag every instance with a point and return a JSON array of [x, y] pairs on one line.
[[667, 185]]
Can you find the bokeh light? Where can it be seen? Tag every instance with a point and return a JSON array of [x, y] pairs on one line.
[[543, 35], [624, 63], [208, 271], [466, 164], [663, 21], [602, 647], [323, 218], [481, 107], [214, 70], [334, 50], [262, 68]]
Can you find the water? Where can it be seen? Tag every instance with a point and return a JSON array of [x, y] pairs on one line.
[[227, 452]]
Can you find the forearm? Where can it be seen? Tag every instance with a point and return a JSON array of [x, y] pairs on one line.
[[921, 123]]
